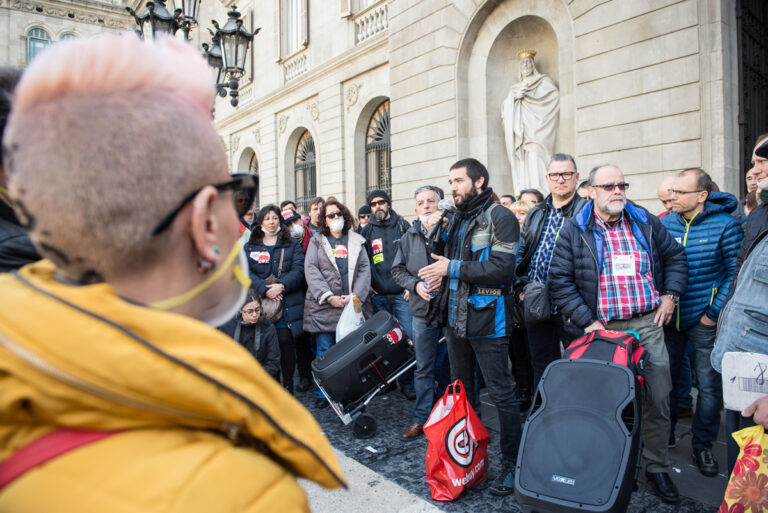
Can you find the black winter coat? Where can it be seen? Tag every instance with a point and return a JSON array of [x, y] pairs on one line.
[[757, 223], [265, 348], [16, 249], [530, 234], [574, 274], [381, 242], [291, 276]]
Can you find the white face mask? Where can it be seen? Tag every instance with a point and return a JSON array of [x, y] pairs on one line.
[[763, 184], [233, 299], [337, 225], [297, 230], [271, 233], [424, 220]]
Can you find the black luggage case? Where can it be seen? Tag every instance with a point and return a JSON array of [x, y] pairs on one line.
[[580, 449], [372, 355]]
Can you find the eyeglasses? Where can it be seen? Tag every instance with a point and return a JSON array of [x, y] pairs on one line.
[[334, 215], [377, 203], [240, 182], [365, 216], [675, 191], [555, 177], [251, 312], [610, 187]]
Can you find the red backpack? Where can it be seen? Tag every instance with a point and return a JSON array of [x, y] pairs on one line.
[[622, 347]]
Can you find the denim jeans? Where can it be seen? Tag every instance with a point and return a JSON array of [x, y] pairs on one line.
[[706, 420], [323, 341], [684, 399], [429, 354], [397, 306], [492, 355]]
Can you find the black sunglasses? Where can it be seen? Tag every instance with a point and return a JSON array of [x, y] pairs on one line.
[[240, 182], [334, 215], [610, 187], [377, 203]]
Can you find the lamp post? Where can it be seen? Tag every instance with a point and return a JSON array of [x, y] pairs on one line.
[[229, 44]]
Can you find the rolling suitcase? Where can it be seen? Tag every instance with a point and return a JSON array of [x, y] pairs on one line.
[[580, 446], [361, 364]]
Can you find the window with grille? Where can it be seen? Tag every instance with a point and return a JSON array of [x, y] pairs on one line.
[[37, 40], [304, 169], [378, 169], [253, 168]]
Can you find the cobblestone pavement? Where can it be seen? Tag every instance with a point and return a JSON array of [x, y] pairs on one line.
[[403, 462]]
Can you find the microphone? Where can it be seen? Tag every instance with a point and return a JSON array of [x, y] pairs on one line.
[[445, 206]]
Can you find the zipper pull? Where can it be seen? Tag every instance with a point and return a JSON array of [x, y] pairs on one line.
[[744, 333]]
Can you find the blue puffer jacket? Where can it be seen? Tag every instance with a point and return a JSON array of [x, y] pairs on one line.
[[574, 275], [711, 241], [291, 276]]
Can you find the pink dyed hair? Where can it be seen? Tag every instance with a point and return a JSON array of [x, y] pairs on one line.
[[111, 64]]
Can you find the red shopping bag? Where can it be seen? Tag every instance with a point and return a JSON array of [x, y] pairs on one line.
[[457, 454]]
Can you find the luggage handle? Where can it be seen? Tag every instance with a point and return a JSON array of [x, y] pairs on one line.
[[630, 345]]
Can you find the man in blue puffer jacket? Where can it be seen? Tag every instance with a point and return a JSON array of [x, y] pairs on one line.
[[701, 222]]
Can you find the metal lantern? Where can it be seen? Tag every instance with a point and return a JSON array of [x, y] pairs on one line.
[[234, 43], [189, 10], [212, 55], [156, 20]]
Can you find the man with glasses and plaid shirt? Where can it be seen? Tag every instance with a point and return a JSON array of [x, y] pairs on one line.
[[616, 267], [537, 241]]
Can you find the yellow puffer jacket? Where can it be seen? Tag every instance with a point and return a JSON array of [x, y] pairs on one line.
[[204, 427]]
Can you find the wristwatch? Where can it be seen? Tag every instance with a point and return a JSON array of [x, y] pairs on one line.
[[673, 296]]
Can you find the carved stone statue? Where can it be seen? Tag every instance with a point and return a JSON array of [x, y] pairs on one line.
[[530, 114]]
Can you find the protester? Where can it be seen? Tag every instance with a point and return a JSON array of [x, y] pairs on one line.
[[701, 221], [296, 227], [583, 190], [364, 217], [750, 203], [521, 208], [314, 214], [471, 281], [413, 254], [287, 205], [757, 222], [276, 265], [336, 267], [735, 334], [537, 243], [249, 329], [382, 235], [631, 283], [665, 197], [16, 249], [507, 200], [134, 280], [533, 195]]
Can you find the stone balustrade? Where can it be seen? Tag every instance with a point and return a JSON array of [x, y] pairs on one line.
[[295, 67], [371, 23]]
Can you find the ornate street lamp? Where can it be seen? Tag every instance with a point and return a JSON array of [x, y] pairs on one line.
[[233, 39], [156, 20], [188, 16], [212, 55]]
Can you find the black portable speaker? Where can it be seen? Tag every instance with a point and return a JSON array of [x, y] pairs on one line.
[[362, 360], [580, 447]]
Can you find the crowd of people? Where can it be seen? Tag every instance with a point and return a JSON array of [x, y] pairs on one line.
[[460, 281]]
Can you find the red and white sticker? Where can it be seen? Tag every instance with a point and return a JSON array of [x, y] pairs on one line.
[[340, 251], [286, 213], [395, 336], [377, 245], [261, 257]]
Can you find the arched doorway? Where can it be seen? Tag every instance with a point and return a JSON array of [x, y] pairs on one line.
[[378, 164], [305, 171]]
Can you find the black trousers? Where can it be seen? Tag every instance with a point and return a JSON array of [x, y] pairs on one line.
[[544, 344], [520, 356], [287, 357], [304, 355]]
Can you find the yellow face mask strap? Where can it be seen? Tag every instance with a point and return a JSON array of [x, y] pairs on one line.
[[172, 302]]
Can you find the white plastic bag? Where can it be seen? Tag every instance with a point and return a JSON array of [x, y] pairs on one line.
[[351, 318]]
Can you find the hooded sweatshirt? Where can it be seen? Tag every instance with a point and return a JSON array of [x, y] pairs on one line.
[[381, 241]]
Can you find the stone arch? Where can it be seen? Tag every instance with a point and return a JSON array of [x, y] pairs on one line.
[[361, 129], [487, 66]]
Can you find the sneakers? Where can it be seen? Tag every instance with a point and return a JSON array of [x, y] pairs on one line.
[[504, 484], [706, 462]]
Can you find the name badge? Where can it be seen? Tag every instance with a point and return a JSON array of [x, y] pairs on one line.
[[340, 251], [261, 257], [623, 265]]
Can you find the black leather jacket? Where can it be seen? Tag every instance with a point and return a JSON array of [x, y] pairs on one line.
[[531, 233]]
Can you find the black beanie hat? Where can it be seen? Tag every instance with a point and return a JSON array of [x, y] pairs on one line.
[[377, 194], [365, 210]]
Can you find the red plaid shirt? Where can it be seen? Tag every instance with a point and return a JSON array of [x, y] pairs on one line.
[[624, 292]]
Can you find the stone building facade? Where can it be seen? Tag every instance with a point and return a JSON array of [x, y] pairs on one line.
[[28, 26], [653, 86]]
